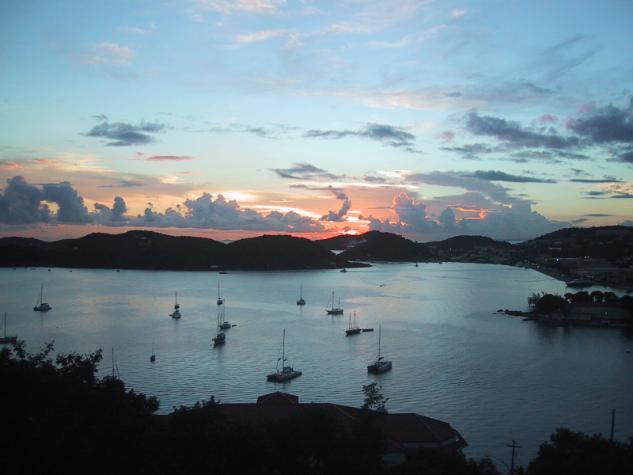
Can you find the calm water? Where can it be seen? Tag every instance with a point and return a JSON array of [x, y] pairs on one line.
[[494, 378]]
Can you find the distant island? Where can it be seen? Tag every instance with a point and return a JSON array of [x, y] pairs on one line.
[[578, 256]]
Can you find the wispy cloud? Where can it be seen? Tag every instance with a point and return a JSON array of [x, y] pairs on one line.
[[110, 53], [386, 134], [260, 36], [168, 158], [410, 39], [457, 13], [306, 172]]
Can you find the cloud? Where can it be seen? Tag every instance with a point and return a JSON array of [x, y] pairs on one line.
[[386, 134], [514, 135], [339, 215], [260, 36], [123, 184], [228, 7], [517, 222], [168, 158], [21, 203], [598, 215], [306, 171], [123, 134], [138, 30], [495, 175], [457, 13], [410, 39], [609, 124], [110, 53], [114, 215], [606, 179], [205, 212], [626, 156], [71, 205]]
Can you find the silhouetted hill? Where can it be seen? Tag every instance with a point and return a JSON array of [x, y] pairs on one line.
[[279, 252], [341, 242], [151, 250], [376, 245], [609, 242], [468, 243]]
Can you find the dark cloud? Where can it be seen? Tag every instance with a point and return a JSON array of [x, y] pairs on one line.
[[168, 158], [626, 156], [495, 175], [607, 124], [123, 134], [21, 203], [386, 134], [306, 171], [374, 179], [606, 179], [472, 151], [123, 184], [112, 216], [71, 205], [622, 195], [598, 215], [595, 194], [514, 135], [339, 215]]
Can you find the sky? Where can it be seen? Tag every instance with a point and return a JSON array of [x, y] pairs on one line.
[[227, 119]]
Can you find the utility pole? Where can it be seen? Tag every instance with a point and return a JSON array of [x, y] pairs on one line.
[[513, 446], [612, 423]]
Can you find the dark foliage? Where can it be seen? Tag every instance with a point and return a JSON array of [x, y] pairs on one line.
[[575, 453]]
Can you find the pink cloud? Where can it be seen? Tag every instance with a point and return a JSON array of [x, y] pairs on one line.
[[168, 158]]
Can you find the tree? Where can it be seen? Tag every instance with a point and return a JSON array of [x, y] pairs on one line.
[[597, 296], [549, 303], [374, 398], [575, 453]]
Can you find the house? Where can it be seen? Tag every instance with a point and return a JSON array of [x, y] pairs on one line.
[[403, 432]]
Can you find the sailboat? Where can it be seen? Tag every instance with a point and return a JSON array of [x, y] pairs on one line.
[[176, 313], [115, 366], [335, 310], [223, 323], [301, 302], [220, 337], [153, 357], [352, 328], [220, 299], [41, 305], [380, 365], [287, 372], [5, 338]]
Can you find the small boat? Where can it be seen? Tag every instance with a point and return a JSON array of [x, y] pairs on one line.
[[220, 299], [343, 269], [380, 365], [115, 366], [352, 328], [287, 372], [176, 313], [41, 305], [5, 338], [224, 324], [152, 358], [416, 264], [301, 302], [368, 330], [580, 282], [335, 310], [220, 337]]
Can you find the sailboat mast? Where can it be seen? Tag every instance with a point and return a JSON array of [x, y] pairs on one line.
[[42, 293], [332, 300], [283, 349], [379, 333], [112, 362], [218, 289], [176, 298], [5, 324]]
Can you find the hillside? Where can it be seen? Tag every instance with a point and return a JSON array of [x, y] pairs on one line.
[[376, 245], [151, 250]]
